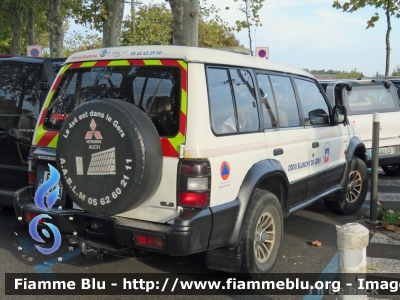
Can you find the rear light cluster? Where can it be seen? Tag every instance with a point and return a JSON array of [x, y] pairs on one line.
[[194, 183], [31, 167], [29, 216], [149, 241]]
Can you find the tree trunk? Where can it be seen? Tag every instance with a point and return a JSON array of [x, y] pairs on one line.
[[389, 28], [17, 28], [113, 22], [185, 26], [248, 28], [55, 28], [30, 25]]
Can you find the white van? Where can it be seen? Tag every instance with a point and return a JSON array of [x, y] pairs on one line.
[[181, 150]]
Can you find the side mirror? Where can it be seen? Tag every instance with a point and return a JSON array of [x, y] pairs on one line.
[[318, 117], [339, 114]]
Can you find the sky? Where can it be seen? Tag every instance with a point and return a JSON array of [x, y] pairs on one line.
[[312, 34]]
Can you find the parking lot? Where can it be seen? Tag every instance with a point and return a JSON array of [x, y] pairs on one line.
[[19, 255]]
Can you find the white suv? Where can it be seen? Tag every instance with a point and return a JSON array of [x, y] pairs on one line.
[[181, 150], [362, 98]]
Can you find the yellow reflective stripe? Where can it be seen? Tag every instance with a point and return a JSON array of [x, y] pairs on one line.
[[118, 63], [152, 62], [63, 69], [47, 101], [176, 141], [53, 143], [88, 64], [183, 64], [184, 102], [40, 132]]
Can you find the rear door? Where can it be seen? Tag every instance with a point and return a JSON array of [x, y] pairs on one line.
[[285, 137], [19, 108]]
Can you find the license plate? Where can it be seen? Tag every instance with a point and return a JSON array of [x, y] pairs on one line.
[[383, 151], [44, 176]]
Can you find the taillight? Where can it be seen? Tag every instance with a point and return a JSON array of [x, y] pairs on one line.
[[149, 241], [194, 183], [29, 216], [32, 178]]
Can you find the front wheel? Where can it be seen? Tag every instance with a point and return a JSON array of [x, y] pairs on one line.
[[357, 188], [391, 170], [262, 233]]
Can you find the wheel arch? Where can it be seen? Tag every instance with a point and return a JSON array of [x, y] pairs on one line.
[[267, 175], [356, 148]]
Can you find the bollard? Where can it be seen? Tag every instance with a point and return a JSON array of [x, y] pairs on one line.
[[374, 170], [352, 241]]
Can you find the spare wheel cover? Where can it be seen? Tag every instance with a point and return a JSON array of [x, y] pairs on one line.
[[109, 156]]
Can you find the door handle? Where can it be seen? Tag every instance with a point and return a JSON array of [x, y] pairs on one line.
[[278, 151], [315, 145]]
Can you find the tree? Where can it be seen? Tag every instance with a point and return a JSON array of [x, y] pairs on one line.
[[396, 71], [154, 24], [78, 42], [391, 8], [250, 8], [185, 22], [353, 74], [55, 28], [102, 15]]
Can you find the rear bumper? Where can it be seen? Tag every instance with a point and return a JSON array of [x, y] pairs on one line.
[[385, 160], [190, 233]]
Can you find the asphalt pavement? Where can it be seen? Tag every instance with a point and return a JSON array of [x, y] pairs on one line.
[[19, 255]]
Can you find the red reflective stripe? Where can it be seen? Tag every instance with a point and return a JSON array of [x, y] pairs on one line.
[[182, 126], [47, 138], [102, 63], [167, 148], [184, 72], [43, 116], [75, 65], [56, 83]]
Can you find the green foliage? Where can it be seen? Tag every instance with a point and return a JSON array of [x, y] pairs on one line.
[[250, 8], [77, 42], [154, 25], [353, 5], [352, 74], [392, 218], [396, 71]]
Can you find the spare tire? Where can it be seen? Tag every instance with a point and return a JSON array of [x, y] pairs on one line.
[[109, 156]]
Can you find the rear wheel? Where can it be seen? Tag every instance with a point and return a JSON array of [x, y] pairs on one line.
[[357, 188], [262, 233], [391, 170]]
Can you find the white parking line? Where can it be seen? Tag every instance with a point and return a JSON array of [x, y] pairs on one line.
[[383, 265], [385, 196], [389, 238]]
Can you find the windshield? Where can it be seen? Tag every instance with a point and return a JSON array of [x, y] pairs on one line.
[[154, 89]]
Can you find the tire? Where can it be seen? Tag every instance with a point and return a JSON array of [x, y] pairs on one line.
[[357, 188], [109, 156], [261, 249], [391, 170]]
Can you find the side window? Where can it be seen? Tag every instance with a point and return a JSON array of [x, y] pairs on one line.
[[370, 98], [221, 102], [288, 113], [268, 102], [246, 103], [315, 109]]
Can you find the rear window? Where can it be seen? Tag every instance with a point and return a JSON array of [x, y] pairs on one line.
[[19, 87], [154, 89], [368, 99]]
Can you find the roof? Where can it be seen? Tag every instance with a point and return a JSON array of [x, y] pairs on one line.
[[355, 82], [189, 54]]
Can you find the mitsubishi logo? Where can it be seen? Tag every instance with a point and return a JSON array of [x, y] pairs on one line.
[[94, 133]]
